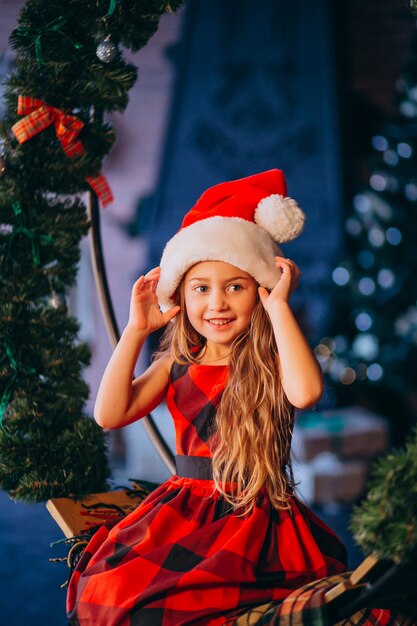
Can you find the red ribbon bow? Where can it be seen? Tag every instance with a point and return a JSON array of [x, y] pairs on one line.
[[38, 116]]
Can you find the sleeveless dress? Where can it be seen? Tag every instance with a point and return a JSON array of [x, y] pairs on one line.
[[183, 556]]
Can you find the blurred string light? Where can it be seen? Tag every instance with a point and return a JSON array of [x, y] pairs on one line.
[[379, 181], [366, 286], [393, 236], [404, 150], [406, 324], [363, 321], [391, 157], [370, 204], [361, 371], [347, 376], [382, 181], [375, 372], [340, 343], [412, 92], [341, 276], [362, 203], [376, 237], [386, 278], [353, 226], [408, 108], [380, 143], [379, 221], [365, 347], [410, 191]]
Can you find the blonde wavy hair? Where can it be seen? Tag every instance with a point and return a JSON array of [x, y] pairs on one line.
[[253, 407]]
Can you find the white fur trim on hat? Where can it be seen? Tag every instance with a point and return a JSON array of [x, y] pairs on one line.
[[281, 217], [230, 239]]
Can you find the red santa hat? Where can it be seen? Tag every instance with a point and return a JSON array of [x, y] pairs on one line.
[[238, 222]]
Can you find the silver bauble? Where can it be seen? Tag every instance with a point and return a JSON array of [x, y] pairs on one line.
[[106, 50], [58, 301]]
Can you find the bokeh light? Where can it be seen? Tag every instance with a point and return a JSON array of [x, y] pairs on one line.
[[363, 321], [366, 346], [404, 150], [386, 278], [366, 286], [379, 143], [341, 276], [394, 236], [375, 372], [376, 237], [353, 226]]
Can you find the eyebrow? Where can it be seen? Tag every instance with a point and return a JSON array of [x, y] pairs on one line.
[[228, 280]]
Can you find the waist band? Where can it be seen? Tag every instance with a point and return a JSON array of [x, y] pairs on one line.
[[198, 467]]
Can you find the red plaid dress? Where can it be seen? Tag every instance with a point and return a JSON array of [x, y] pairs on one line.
[[183, 557]]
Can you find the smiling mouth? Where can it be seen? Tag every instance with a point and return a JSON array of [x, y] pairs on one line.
[[219, 321]]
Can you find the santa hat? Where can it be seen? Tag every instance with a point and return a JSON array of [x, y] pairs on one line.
[[238, 222]]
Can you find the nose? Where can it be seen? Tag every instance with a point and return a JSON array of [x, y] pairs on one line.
[[217, 301]]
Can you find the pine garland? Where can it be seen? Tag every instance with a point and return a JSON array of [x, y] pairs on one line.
[[385, 523], [48, 446]]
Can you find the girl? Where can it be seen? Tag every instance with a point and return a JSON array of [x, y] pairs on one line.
[[226, 532]]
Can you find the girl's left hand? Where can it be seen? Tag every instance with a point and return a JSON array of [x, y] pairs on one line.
[[284, 287]]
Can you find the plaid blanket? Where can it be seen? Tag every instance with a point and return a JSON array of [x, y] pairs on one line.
[[306, 607]]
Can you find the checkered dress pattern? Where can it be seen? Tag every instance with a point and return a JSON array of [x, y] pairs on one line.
[[183, 556]]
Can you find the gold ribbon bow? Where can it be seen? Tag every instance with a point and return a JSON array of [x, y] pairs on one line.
[[38, 116]]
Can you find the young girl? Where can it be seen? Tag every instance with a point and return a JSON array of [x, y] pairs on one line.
[[226, 532]]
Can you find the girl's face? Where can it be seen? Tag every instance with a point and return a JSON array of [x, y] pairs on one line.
[[219, 300]]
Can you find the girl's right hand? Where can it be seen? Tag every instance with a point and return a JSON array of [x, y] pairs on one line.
[[145, 315]]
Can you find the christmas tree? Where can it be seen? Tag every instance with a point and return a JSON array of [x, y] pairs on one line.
[[372, 356], [69, 73]]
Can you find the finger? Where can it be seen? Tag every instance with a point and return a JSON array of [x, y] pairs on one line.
[[289, 270], [155, 271], [281, 262], [171, 313], [152, 275], [138, 285], [263, 294]]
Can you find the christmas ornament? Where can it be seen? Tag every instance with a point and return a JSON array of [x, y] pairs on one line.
[[2, 165], [106, 50], [57, 301]]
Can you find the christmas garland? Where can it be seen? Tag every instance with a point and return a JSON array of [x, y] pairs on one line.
[[385, 523], [69, 73]]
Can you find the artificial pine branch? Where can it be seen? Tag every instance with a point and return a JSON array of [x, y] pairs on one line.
[[385, 523], [48, 446]]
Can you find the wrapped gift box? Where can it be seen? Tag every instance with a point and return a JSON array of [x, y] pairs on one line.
[[351, 432], [328, 479]]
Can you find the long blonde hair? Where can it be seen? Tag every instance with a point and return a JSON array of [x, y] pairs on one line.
[[253, 408]]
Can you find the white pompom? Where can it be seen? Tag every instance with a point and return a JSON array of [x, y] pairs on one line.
[[281, 217]]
